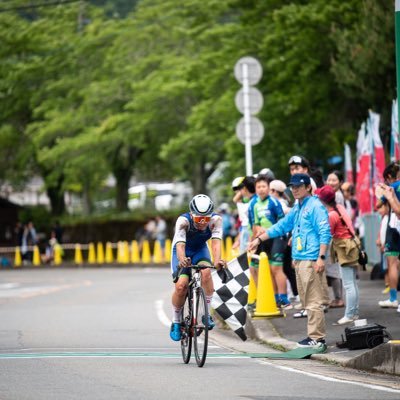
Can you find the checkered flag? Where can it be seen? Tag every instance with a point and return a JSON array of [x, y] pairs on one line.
[[230, 297]]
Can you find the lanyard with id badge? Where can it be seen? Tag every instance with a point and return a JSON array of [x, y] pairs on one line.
[[299, 245]]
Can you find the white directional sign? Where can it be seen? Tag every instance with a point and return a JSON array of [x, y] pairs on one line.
[[256, 101], [256, 131], [254, 69]]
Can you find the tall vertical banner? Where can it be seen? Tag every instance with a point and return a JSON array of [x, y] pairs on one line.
[[364, 158], [378, 151], [394, 138], [348, 166]]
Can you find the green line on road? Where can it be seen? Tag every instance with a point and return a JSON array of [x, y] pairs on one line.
[[111, 355]]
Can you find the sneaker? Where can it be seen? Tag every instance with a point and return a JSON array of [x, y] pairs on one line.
[[175, 332], [211, 322], [388, 304], [308, 342], [286, 306], [298, 306], [398, 309], [345, 320]]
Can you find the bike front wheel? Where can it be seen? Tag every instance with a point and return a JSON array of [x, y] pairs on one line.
[[200, 327], [187, 333]]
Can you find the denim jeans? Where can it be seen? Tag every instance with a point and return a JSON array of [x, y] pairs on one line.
[[351, 289]]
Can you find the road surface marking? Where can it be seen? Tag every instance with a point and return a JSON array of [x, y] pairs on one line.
[[326, 378]]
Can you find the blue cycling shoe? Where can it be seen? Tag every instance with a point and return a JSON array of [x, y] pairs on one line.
[[211, 322], [175, 332]]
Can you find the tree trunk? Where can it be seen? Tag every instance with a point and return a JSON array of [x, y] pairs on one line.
[[56, 196], [199, 179], [122, 177]]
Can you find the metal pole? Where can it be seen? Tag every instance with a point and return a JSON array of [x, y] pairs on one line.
[[397, 34], [247, 127]]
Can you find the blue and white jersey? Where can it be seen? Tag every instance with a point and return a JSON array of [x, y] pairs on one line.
[[195, 239]]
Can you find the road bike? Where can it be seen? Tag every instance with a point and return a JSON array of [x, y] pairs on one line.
[[194, 325]]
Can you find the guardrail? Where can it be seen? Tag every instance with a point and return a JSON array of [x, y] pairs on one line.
[[122, 252]]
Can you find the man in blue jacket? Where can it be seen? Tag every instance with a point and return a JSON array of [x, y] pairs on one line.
[[309, 223]]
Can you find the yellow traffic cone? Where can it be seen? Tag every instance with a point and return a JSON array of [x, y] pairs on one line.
[[78, 259], [252, 291], [135, 257], [100, 253], [266, 305], [167, 251], [157, 254], [125, 253], [228, 249], [57, 254], [36, 256], [146, 257], [17, 258], [119, 252], [109, 253], [92, 254]]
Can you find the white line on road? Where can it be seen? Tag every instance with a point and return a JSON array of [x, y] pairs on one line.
[[159, 304], [326, 378]]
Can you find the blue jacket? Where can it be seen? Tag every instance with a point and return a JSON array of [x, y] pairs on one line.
[[309, 224]]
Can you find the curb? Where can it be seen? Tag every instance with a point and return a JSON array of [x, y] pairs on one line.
[[384, 358]]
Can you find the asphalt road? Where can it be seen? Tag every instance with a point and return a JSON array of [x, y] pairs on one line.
[[103, 334]]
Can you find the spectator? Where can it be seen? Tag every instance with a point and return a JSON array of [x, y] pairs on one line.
[[300, 165], [267, 211], [244, 198], [161, 232], [391, 195], [308, 221], [29, 239], [48, 257], [350, 202], [344, 249], [267, 173], [228, 222], [150, 229], [383, 210], [335, 180], [277, 189]]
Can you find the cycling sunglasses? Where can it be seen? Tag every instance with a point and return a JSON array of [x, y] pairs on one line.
[[201, 219]]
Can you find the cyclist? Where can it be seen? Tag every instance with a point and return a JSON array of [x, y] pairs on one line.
[[189, 246]]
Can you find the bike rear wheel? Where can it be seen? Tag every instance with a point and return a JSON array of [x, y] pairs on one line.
[[200, 327], [187, 331]]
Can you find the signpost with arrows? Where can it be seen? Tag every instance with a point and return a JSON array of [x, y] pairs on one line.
[[249, 102]]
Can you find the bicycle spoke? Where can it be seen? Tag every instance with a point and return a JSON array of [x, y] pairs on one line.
[[200, 328], [186, 341]]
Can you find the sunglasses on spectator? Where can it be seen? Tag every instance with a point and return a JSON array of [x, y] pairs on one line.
[[201, 219]]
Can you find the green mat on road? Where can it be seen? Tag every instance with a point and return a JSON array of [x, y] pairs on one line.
[[295, 354]]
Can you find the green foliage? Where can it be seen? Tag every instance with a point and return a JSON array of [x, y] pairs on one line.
[[147, 89]]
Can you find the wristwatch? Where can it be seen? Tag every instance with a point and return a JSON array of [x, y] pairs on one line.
[[322, 257], [259, 239]]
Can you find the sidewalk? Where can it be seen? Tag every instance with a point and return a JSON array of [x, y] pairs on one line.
[[284, 333]]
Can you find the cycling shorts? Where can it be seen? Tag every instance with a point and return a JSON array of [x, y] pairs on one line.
[[202, 254], [275, 249]]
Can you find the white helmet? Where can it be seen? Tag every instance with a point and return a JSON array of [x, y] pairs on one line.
[[201, 205]]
